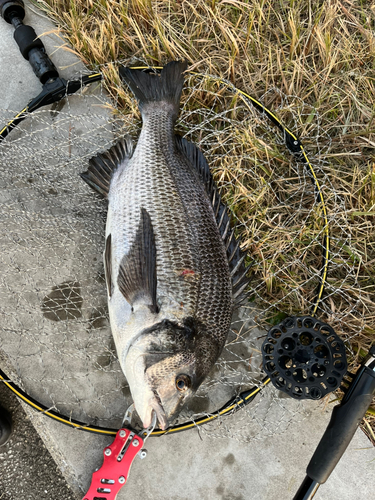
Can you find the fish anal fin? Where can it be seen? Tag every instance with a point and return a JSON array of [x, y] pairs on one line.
[[102, 167], [137, 273]]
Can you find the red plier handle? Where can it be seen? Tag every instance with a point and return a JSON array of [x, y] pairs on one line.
[[118, 458]]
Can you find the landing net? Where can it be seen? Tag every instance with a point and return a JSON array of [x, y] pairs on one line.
[[55, 336]]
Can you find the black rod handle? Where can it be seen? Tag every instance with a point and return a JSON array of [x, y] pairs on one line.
[[307, 489], [30, 45], [345, 420], [33, 50], [12, 8]]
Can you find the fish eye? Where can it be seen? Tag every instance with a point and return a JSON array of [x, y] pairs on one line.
[[183, 382]]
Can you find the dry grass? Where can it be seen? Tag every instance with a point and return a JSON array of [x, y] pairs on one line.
[[322, 52]]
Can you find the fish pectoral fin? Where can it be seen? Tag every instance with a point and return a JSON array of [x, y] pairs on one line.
[[137, 273], [102, 167], [107, 264]]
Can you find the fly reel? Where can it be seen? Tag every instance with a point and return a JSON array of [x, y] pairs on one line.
[[304, 357]]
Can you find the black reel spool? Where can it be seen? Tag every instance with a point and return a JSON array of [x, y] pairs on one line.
[[304, 357]]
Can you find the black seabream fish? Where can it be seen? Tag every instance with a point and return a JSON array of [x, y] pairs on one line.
[[174, 270]]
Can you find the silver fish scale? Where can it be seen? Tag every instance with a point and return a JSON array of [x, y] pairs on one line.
[[192, 267]]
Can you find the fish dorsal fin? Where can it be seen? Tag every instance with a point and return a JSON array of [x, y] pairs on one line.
[[101, 167], [197, 160], [235, 255], [137, 273]]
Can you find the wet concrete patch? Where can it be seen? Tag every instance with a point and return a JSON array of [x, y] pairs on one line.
[[64, 302], [99, 317], [220, 490], [229, 459]]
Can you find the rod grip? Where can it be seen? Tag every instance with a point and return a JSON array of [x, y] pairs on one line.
[[10, 8], [26, 39], [307, 489], [345, 420], [33, 50]]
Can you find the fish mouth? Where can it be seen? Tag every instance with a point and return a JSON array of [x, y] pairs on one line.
[[146, 398], [144, 351], [160, 413], [155, 406]]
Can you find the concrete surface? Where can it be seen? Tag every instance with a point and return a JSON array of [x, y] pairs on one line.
[[189, 465], [27, 470]]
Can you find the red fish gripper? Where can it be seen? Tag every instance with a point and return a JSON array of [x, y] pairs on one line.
[[118, 458]]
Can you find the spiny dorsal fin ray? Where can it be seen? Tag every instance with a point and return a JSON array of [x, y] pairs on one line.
[[242, 288], [137, 273], [101, 167], [196, 159], [240, 279], [226, 229], [236, 247], [235, 255], [241, 298]]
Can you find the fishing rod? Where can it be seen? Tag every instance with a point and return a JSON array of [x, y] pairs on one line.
[[345, 420]]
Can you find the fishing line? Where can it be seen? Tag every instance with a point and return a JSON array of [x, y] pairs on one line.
[[295, 146]]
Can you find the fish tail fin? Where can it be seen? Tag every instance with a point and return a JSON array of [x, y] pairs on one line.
[[151, 87]]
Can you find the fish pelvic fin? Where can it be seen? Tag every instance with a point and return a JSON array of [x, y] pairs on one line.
[[151, 87], [137, 273], [102, 167]]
